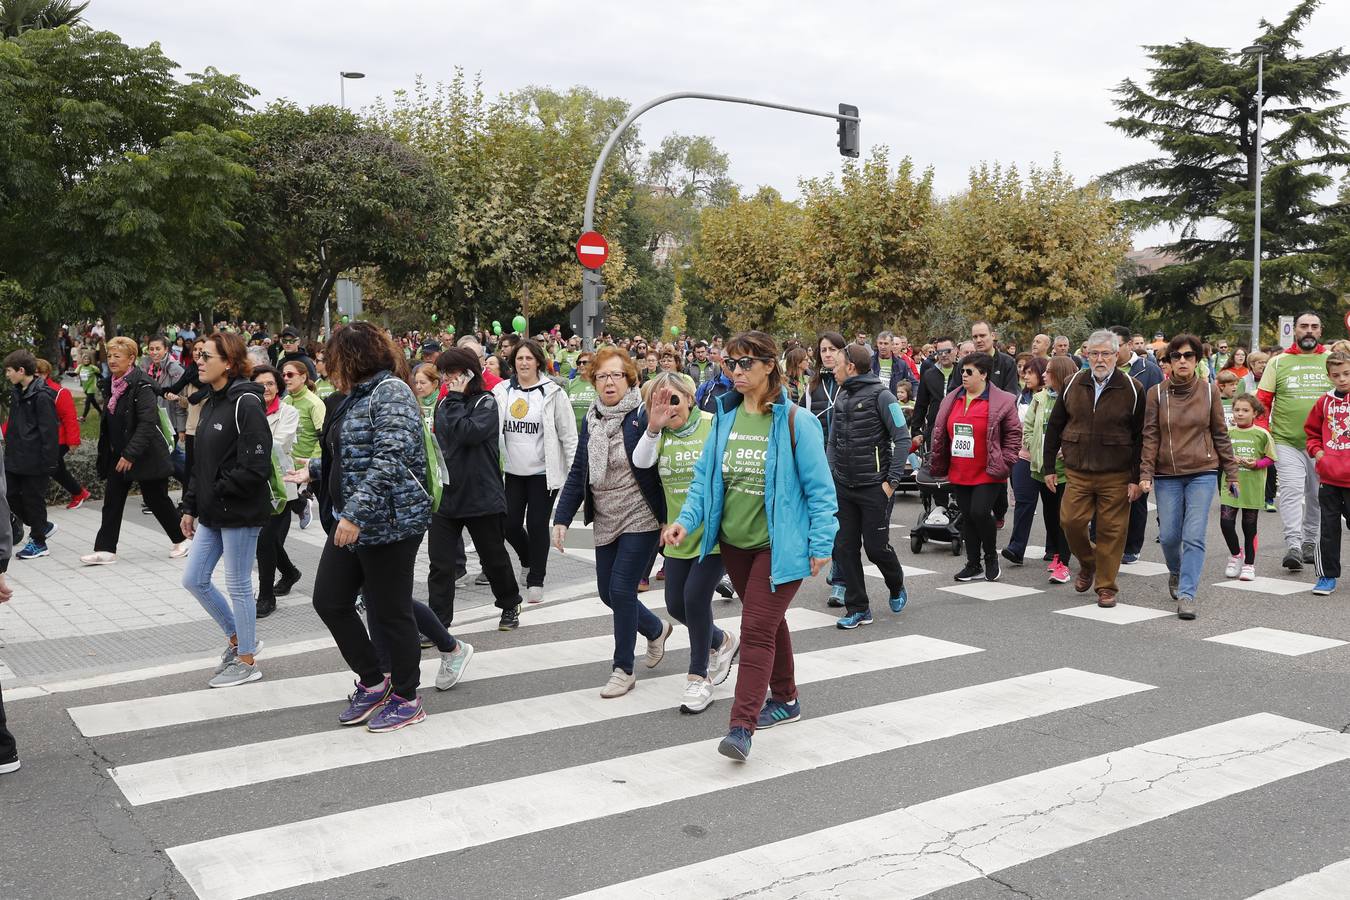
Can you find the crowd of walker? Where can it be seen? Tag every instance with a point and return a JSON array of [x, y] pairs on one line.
[[735, 461]]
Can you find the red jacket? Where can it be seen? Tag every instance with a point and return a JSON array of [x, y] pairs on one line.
[[1003, 435], [65, 416], [1328, 431]]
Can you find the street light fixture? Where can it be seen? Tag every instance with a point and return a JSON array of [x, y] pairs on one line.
[[1260, 53], [342, 84]]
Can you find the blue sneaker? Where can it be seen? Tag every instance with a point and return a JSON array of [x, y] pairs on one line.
[[52, 528], [853, 620], [836, 600], [776, 713], [364, 702], [899, 600], [736, 745], [1324, 586], [1129, 559], [397, 713], [32, 550]]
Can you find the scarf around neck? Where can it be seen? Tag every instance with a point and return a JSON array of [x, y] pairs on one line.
[[607, 423], [119, 387]]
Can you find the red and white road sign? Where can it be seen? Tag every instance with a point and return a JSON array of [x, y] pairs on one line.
[[592, 250], [1347, 321]]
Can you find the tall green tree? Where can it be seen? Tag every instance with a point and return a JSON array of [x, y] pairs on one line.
[[1198, 107], [331, 194], [114, 174], [18, 16], [747, 262]]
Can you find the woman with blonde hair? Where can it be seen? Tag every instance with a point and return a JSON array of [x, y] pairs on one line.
[[426, 385]]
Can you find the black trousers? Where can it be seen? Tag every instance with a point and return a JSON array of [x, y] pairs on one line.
[[8, 748], [529, 501], [272, 555], [383, 573], [864, 526], [1134, 536], [63, 476], [977, 503], [445, 535], [27, 496], [1334, 503], [156, 494]]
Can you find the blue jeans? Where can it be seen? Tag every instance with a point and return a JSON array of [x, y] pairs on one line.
[[619, 566], [1026, 491], [238, 616], [1183, 512]]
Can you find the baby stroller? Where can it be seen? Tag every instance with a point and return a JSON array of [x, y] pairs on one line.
[[940, 518]]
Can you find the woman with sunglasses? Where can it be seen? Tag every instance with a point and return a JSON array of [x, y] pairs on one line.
[[284, 420], [976, 440], [763, 492], [673, 443], [1185, 445], [538, 442], [626, 507]]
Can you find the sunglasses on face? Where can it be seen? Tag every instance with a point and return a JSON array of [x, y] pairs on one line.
[[1177, 356], [943, 351], [744, 363], [971, 372]]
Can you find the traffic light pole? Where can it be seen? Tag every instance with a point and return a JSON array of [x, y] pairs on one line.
[[591, 287]]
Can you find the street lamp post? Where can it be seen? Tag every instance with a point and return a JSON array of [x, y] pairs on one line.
[[342, 84], [1260, 53]]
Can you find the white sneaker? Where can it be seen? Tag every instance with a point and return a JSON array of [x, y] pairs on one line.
[[656, 649], [698, 695], [534, 594], [180, 550], [620, 683], [466, 580], [1234, 566], [453, 665], [726, 655], [99, 558], [1248, 573]]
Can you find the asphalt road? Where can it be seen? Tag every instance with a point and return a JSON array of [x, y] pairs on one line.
[[966, 748]]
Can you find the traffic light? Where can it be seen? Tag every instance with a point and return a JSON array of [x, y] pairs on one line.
[[849, 141]]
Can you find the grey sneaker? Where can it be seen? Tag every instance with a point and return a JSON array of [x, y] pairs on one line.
[[237, 672], [466, 580], [481, 580], [1172, 582], [1309, 552], [1186, 608], [656, 649], [453, 665], [230, 654]]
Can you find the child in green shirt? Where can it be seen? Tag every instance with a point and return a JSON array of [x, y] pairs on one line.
[[1255, 451], [88, 373]]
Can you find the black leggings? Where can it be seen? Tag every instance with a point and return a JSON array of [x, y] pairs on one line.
[[1228, 525], [90, 403], [689, 590], [155, 494], [272, 555], [529, 500], [383, 573], [428, 625], [977, 517]]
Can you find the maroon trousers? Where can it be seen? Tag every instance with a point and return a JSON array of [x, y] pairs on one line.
[[766, 645]]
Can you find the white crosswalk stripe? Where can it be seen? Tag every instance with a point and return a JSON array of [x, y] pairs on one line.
[[255, 862], [1329, 883]]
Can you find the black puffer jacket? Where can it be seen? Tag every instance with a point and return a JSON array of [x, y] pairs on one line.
[[33, 434], [467, 433], [132, 432], [231, 463], [822, 401], [867, 425]]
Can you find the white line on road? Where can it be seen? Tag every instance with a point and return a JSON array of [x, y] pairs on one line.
[[301, 853], [231, 767], [1329, 883], [123, 716], [954, 839]]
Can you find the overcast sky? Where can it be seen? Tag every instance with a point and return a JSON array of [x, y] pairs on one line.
[[948, 83]]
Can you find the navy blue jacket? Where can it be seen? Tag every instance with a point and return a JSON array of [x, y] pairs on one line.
[[901, 367], [577, 491]]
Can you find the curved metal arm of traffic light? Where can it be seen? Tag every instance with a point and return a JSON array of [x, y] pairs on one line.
[[591, 191]]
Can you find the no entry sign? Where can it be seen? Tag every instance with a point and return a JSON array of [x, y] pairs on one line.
[[592, 250]]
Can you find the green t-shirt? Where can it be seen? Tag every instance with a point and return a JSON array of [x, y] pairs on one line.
[[429, 411], [323, 388], [744, 522], [581, 393], [1249, 443], [1228, 412], [1296, 380], [567, 361], [89, 379], [946, 379], [884, 370], [679, 453]]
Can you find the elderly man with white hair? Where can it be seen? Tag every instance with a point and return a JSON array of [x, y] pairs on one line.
[[1099, 424]]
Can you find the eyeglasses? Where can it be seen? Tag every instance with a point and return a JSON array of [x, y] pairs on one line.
[[1101, 354], [609, 376], [290, 375], [1178, 355], [965, 372], [204, 356], [1223, 348], [744, 363], [290, 340], [943, 351]]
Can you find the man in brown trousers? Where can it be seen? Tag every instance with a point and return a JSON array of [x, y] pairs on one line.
[[1099, 424]]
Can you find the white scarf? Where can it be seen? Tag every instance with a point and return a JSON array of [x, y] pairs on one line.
[[606, 422]]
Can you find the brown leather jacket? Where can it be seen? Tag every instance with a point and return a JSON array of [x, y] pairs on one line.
[[1185, 432], [1097, 435]]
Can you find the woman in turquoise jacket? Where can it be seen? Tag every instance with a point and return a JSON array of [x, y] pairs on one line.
[[762, 491]]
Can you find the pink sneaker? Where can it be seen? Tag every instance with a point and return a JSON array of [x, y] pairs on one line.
[[1059, 573]]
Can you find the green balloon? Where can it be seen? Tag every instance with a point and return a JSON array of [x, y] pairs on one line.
[[518, 324], [496, 327], [450, 328], [346, 320], [435, 318], [674, 329]]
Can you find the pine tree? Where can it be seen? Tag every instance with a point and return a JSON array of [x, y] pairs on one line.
[[1199, 109]]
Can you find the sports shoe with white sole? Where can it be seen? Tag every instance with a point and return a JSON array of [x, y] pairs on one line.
[[236, 673], [99, 558], [620, 683], [1248, 573], [726, 655], [656, 649], [180, 549], [698, 696], [453, 665], [534, 594], [1233, 567]]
